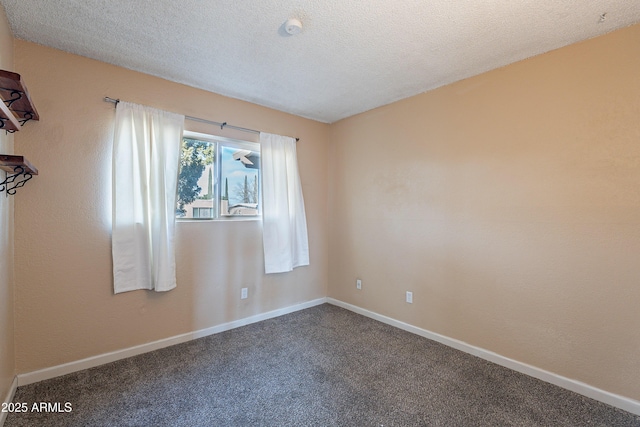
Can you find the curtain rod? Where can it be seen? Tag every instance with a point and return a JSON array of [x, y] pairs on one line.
[[197, 119]]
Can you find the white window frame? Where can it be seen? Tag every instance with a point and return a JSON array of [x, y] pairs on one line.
[[220, 141]]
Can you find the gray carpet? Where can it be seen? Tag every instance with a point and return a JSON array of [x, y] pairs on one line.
[[323, 366]]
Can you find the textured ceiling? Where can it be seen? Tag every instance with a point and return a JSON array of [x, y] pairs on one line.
[[351, 56]]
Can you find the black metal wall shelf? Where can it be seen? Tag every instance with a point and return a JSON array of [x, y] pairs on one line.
[[16, 109], [19, 171]]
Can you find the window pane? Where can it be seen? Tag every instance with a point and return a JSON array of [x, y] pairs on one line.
[[196, 181], [202, 213], [240, 193]]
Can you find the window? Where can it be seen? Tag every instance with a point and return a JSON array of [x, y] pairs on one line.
[[202, 212], [219, 178]]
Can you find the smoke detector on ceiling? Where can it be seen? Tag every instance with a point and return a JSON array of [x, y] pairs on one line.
[[293, 26]]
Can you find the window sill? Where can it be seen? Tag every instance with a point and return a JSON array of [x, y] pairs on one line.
[[223, 219]]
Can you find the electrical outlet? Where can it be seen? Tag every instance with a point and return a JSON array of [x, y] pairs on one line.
[[410, 297], [244, 293], [358, 284]]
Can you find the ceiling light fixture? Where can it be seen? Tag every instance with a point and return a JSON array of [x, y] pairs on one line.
[[293, 26]]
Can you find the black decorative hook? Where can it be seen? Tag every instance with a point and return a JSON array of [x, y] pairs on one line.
[[15, 95], [3, 120], [27, 116], [11, 183]]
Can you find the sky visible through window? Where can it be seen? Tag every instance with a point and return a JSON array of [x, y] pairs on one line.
[[235, 174]]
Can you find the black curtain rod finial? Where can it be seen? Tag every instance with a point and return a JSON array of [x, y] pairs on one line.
[[115, 101]]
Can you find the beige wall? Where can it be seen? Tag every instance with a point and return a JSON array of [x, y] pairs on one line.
[[65, 307], [509, 204], [7, 361]]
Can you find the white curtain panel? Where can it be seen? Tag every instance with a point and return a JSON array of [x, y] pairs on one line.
[[284, 233], [146, 152]]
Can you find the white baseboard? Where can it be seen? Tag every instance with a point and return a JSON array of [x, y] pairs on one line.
[[91, 362], [9, 399], [624, 403]]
